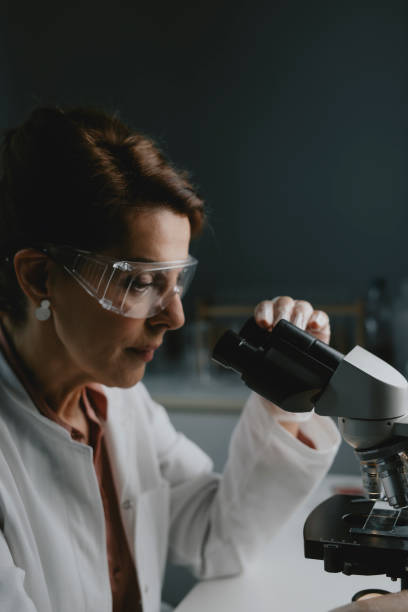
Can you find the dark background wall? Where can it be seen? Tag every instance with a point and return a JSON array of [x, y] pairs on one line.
[[290, 114]]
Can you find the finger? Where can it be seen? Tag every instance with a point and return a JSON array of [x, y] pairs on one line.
[[301, 313], [318, 320], [319, 326], [282, 308], [264, 313]]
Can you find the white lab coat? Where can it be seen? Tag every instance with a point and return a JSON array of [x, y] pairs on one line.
[[52, 539]]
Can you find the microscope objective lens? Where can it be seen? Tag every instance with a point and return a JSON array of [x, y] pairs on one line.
[[371, 479]]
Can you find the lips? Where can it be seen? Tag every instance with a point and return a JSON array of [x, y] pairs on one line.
[[146, 353]]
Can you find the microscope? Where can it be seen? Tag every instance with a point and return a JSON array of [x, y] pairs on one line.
[[354, 535]]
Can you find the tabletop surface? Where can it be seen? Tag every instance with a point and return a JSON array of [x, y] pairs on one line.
[[281, 579]]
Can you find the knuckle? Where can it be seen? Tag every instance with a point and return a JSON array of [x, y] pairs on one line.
[[261, 307], [264, 312], [322, 318], [283, 301], [303, 305]]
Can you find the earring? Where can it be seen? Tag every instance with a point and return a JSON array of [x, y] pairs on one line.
[[43, 312]]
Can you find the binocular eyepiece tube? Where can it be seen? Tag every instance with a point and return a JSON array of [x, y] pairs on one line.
[[285, 366]]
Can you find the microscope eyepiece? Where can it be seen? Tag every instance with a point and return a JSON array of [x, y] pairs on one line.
[[234, 352], [286, 365]]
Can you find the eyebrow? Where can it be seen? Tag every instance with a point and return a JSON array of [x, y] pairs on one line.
[[138, 260], [147, 260], [123, 257]]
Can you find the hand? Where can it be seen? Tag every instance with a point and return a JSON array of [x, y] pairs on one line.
[[396, 602], [299, 312], [315, 322]]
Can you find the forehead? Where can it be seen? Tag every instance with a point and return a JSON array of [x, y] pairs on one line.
[[157, 235]]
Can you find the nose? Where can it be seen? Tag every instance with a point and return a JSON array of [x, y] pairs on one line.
[[172, 316]]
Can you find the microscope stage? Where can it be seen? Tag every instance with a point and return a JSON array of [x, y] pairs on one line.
[[350, 538]]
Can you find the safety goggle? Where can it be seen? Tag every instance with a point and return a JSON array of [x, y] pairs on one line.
[[131, 288]]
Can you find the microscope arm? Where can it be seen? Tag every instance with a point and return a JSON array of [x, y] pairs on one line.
[[369, 397], [400, 427], [364, 387]]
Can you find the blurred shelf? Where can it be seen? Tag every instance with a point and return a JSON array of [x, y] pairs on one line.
[[195, 394]]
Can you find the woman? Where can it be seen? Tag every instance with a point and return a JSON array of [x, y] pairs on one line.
[[95, 485]]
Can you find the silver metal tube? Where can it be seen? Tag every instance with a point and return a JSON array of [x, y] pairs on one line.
[[371, 479], [394, 480]]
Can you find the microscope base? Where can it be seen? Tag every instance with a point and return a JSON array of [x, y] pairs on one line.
[[334, 532]]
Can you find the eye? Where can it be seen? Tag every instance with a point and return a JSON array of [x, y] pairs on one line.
[[141, 282]]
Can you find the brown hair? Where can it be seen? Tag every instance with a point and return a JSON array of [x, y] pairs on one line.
[[70, 178]]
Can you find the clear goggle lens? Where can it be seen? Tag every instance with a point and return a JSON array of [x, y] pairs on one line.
[[130, 288]]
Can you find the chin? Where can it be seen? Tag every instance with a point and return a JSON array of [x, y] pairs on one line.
[[126, 379]]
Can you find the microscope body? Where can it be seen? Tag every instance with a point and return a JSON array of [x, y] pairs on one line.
[[370, 400], [368, 396]]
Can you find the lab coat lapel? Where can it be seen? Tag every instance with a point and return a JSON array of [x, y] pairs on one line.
[[143, 495]]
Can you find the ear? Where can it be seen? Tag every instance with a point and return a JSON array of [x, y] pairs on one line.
[[32, 269]]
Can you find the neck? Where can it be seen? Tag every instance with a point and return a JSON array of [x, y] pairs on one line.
[[47, 367]]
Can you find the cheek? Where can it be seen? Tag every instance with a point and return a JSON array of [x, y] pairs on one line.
[[88, 331], [92, 341]]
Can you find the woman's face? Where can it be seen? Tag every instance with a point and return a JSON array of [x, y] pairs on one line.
[[106, 347]]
